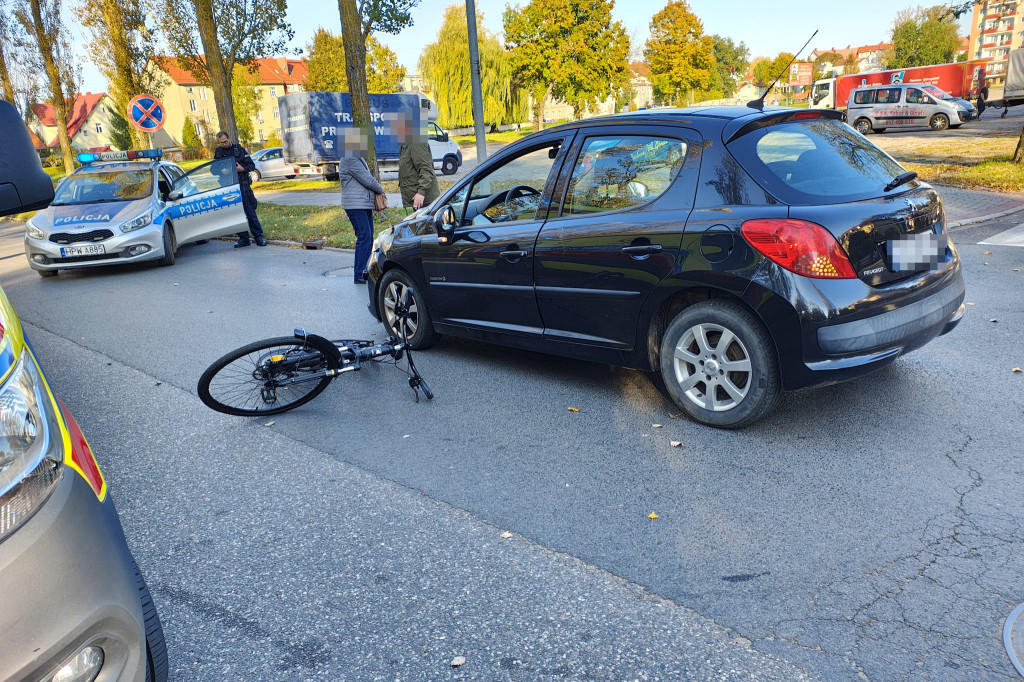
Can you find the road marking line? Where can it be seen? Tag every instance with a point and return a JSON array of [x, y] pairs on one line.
[[1012, 237]]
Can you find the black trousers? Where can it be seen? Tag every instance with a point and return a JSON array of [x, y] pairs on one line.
[[249, 204]]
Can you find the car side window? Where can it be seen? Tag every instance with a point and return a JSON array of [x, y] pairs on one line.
[[863, 97], [208, 177], [618, 172], [435, 132], [164, 183], [915, 96], [511, 191], [887, 96]]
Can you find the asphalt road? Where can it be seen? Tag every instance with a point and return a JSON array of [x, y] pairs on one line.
[[868, 530]]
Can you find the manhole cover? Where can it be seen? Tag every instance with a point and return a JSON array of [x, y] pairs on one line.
[[338, 272], [1013, 638]]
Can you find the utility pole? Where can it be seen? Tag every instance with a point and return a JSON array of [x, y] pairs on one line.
[[474, 75]]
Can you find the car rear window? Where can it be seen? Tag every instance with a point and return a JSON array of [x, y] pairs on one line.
[[815, 162]]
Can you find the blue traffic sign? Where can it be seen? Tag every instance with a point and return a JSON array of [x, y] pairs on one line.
[[146, 113]]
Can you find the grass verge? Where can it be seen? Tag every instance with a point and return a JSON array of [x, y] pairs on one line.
[[329, 223], [504, 137], [1000, 174]]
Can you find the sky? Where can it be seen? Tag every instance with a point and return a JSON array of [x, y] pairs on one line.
[[766, 28]]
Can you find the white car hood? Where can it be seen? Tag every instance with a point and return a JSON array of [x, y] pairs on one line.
[[84, 217]]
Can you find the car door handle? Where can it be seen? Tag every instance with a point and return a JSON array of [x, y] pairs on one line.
[[515, 254], [642, 250]]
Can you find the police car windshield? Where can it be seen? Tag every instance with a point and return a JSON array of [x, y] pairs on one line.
[[98, 187]]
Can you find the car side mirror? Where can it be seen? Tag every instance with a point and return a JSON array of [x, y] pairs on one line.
[[445, 134], [444, 223], [23, 184], [174, 195]]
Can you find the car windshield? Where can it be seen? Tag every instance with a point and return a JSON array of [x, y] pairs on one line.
[[815, 162], [936, 92], [99, 187]]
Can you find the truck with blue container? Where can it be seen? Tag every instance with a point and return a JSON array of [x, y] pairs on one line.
[[312, 122]]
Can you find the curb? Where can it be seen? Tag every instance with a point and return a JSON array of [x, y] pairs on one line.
[[984, 218], [291, 245]]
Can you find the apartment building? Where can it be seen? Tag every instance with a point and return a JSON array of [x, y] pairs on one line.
[[186, 97], [996, 29]]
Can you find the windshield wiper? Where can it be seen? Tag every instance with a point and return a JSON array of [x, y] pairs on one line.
[[900, 179]]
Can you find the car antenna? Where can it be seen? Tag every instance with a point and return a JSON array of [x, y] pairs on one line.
[[759, 102]]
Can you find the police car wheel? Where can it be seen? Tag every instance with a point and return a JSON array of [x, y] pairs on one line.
[[47, 273], [170, 246]]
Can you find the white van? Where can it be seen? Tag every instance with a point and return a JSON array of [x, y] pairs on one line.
[[877, 107]]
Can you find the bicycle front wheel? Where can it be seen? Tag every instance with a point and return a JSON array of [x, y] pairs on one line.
[[267, 377]]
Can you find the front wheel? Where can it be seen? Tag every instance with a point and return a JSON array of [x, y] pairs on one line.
[[402, 304], [450, 165], [939, 122], [268, 377], [718, 364], [170, 246]]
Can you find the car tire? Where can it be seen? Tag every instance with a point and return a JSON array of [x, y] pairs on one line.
[[450, 165], [938, 122], [738, 397], [290, 177], [255, 175], [397, 287], [862, 125], [47, 273], [954, 127], [157, 667], [170, 246]]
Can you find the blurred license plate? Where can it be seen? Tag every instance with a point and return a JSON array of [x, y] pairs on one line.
[[917, 251], [71, 251]]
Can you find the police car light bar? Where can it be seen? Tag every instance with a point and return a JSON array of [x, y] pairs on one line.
[[121, 156]]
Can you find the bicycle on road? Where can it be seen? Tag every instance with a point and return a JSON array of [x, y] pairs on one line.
[[279, 374]]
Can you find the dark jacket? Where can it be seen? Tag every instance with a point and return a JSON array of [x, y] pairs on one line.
[[416, 173], [357, 184], [241, 157]]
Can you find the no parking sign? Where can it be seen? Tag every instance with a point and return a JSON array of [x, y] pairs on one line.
[[146, 113]]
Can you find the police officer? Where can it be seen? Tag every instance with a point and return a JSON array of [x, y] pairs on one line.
[[244, 165]]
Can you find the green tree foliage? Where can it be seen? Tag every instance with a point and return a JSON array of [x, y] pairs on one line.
[[120, 132], [731, 62], [445, 67], [824, 61], [6, 52], [851, 65], [120, 46], [326, 65], [245, 98], [211, 37], [767, 70], [921, 37], [189, 137], [681, 56], [570, 49]]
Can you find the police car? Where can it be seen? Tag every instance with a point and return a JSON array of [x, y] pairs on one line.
[[131, 206]]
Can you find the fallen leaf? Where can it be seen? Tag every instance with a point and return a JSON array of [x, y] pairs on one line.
[[993, 320], [406, 435], [1016, 269], [1016, 370], [505, 536], [158, 383], [652, 516], [655, 426], [969, 303], [209, 311], [988, 253], [458, 660], [269, 424], [175, 284], [673, 416], [574, 409], [676, 444]]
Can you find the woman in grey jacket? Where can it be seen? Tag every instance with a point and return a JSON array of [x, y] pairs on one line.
[[358, 187]]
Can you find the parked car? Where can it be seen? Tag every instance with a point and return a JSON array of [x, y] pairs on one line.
[[739, 252], [875, 108], [270, 165], [127, 207]]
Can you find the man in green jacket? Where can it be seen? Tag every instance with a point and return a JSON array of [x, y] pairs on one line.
[[416, 178]]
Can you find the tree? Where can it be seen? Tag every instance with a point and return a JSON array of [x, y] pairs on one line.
[[189, 137], [121, 45], [42, 22], [211, 37], [570, 49], [680, 55], [444, 65], [731, 61], [767, 70], [325, 65], [824, 61], [357, 23], [921, 37], [851, 65], [245, 100], [6, 52], [120, 132]]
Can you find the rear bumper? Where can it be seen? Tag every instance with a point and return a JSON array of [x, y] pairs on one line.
[[68, 582]]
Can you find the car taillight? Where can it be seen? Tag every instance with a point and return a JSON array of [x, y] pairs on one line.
[[799, 246]]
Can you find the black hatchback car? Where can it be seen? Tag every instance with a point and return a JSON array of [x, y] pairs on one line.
[[740, 252]]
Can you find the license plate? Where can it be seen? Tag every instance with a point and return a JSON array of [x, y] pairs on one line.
[[72, 251], [917, 251]]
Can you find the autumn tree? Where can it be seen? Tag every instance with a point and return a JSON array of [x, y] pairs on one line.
[[680, 55], [6, 52], [569, 49], [42, 22], [211, 37], [358, 22], [824, 61], [444, 65], [851, 65], [325, 65], [767, 70], [120, 46], [921, 37]]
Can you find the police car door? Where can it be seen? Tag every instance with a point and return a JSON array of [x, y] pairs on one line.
[[207, 202]]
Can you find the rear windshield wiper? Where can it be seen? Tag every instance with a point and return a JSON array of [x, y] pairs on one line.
[[899, 180]]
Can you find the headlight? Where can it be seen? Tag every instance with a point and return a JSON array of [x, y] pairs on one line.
[[31, 445], [33, 231], [134, 224]]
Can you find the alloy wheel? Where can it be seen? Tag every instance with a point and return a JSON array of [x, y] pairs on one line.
[[400, 301], [712, 366]]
